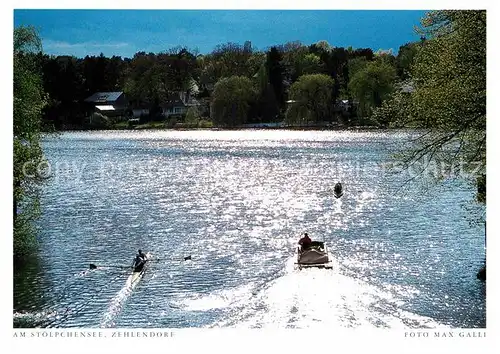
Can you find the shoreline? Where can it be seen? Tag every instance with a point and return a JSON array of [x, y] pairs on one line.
[[301, 128]]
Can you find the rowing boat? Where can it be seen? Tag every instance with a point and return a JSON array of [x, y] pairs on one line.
[[138, 272]]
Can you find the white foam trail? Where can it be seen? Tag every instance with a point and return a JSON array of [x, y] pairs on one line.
[[320, 297], [216, 300], [39, 317], [118, 301]]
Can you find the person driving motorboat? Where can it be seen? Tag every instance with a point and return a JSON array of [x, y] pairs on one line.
[[305, 242]]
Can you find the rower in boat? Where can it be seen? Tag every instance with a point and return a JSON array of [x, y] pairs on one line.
[[139, 261]]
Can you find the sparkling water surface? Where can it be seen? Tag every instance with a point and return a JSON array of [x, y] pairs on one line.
[[237, 202]]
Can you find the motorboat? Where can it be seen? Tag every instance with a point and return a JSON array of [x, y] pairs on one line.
[[315, 255]]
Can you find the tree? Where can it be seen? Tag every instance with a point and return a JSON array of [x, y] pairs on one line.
[[192, 116], [231, 101], [313, 99], [336, 67], [232, 59], [255, 62], [448, 76], [275, 72], [394, 109], [405, 58], [323, 46], [266, 106], [356, 64], [310, 64], [448, 99], [293, 60], [366, 53], [385, 56], [371, 85], [29, 100]]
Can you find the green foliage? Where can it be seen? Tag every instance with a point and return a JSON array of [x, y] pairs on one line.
[[154, 78], [371, 85], [310, 64], [100, 121], [122, 125], [313, 96], [29, 100], [450, 71], [192, 117], [205, 124], [275, 73], [150, 79], [230, 59], [448, 77], [323, 46], [385, 56], [261, 78], [405, 59], [267, 109], [292, 61], [393, 110], [356, 64], [155, 125], [255, 62], [231, 101]]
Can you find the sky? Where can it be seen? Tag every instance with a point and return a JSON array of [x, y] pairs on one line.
[[126, 32]]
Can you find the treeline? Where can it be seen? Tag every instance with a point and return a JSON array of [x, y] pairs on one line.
[[242, 84]]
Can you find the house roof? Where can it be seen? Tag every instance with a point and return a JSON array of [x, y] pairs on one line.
[[104, 97]]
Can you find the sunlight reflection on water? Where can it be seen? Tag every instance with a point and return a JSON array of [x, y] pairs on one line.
[[237, 201]]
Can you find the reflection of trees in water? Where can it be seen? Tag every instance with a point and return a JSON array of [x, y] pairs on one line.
[[34, 291], [29, 284]]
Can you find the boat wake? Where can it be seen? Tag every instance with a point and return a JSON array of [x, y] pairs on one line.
[[34, 319], [117, 303], [312, 298]]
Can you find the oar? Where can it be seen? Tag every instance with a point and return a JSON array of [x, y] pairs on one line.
[[185, 258], [93, 266]]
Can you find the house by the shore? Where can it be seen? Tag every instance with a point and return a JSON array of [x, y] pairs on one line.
[[110, 104], [178, 103]]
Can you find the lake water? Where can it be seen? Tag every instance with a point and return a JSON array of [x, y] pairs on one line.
[[237, 202]]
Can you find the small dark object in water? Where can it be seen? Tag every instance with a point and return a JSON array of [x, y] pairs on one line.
[[482, 274], [188, 258], [338, 190], [93, 266]]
